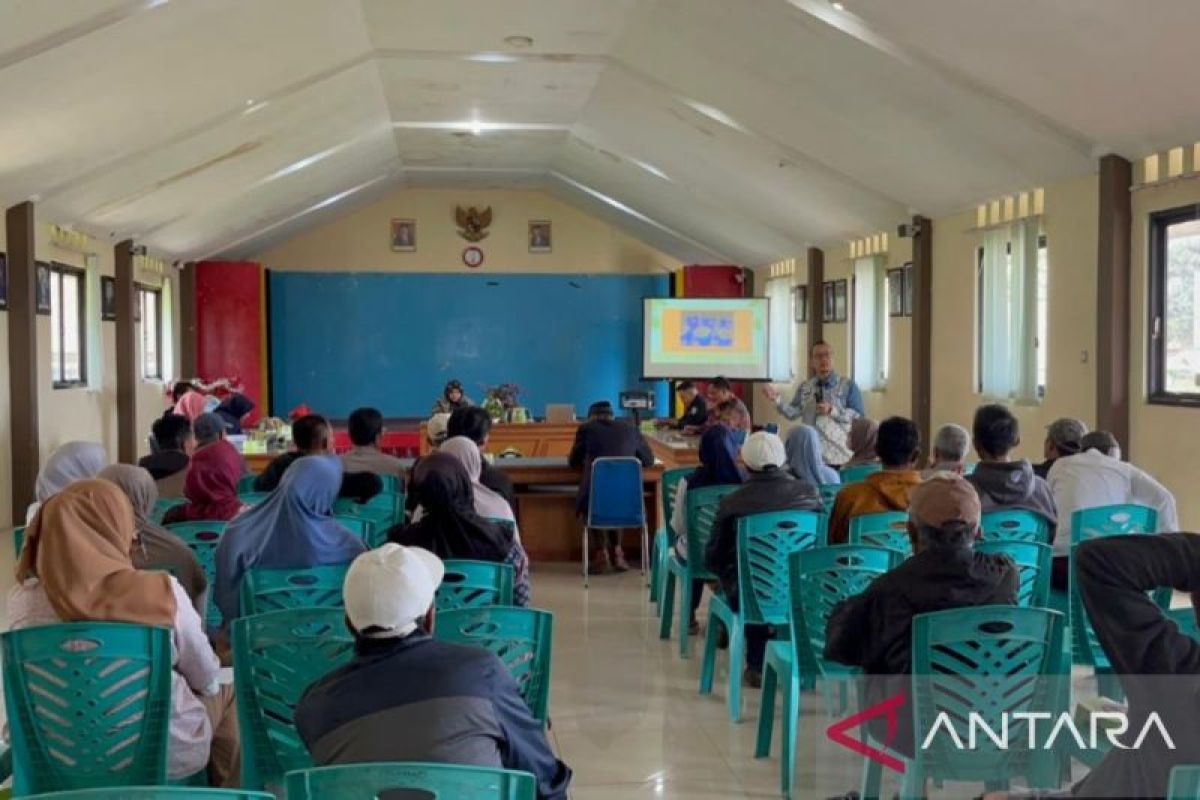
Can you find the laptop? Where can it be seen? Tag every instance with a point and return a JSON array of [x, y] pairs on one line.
[[560, 413]]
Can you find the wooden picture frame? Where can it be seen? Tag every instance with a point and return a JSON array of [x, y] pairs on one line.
[[827, 302], [895, 284], [800, 303], [41, 270], [841, 300], [108, 298], [540, 236], [908, 289], [404, 235]]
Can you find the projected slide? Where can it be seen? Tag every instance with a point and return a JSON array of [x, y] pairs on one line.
[[702, 338]]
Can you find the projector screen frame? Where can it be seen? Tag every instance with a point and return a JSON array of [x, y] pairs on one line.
[[706, 377]]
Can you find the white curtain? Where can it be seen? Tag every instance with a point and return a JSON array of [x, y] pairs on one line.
[[870, 323], [1009, 327], [1024, 270], [779, 342], [94, 368], [168, 330]]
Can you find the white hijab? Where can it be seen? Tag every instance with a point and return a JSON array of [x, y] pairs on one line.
[[74, 461], [487, 502]]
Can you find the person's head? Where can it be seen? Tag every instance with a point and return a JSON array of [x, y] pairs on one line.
[[312, 484], [208, 428], [473, 422], [1103, 441], [192, 404], [995, 431], [950, 445], [466, 452], [440, 484], [436, 429], [173, 432], [898, 443], [943, 512], [1064, 437], [138, 486], [310, 434], [820, 358], [180, 389], [763, 452], [453, 391], [366, 427], [864, 432], [719, 390], [686, 391], [389, 591], [74, 461], [600, 410]]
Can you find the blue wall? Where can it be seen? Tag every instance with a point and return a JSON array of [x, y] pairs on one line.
[[341, 340]]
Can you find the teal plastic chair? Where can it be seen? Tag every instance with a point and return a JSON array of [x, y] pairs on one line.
[[253, 498], [154, 793], [1033, 565], [18, 540], [986, 660], [88, 705], [276, 656], [202, 538], [829, 495], [818, 580], [391, 484], [521, 637], [266, 590], [245, 484], [701, 512], [1185, 783], [664, 537], [164, 504], [1015, 525], [1185, 620], [380, 512], [473, 584], [359, 526], [765, 542], [886, 529], [859, 473], [432, 781]]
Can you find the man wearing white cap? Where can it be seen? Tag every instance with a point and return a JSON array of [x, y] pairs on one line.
[[768, 487], [406, 696]]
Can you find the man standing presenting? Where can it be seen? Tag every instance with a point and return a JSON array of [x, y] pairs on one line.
[[824, 394]]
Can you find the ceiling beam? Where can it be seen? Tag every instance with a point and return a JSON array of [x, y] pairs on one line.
[[71, 33]]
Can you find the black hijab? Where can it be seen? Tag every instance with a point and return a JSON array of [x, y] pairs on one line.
[[449, 526]]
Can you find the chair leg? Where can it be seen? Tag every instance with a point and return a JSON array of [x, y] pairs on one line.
[[685, 611], [708, 662], [667, 606], [737, 661], [645, 553], [585, 557], [791, 732], [766, 712], [872, 780]]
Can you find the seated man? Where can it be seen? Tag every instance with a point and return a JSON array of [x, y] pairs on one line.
[[950, 445], [475, 424], [695, 410], [1004, 484], [168, 464], [366, 432], [406, 696], [873, 630], [769, 486], [898, 445], [1063, 438], [724, 408], [311, 437], [603, 436]]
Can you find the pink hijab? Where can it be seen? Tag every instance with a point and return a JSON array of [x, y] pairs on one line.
[[191, 405]]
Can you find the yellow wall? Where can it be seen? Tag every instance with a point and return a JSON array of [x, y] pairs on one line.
[[359, 241]]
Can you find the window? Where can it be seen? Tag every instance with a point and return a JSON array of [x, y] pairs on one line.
[[149, 324], [779, 321], [1174, 321], [1012, 313], [67, 322], [870, 323]]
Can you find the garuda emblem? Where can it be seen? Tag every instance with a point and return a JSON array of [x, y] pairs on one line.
[[473, 223]]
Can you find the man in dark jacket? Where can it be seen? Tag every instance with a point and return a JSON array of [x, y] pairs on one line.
[[873, 630], [174, 445], [311, 437], [1004, 484], [602, 436], [474, 423], [406, 696], [768, 487]]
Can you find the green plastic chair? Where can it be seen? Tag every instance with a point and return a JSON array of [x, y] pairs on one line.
[[276, 656], [829, 495], [203, 538], [88, 705], [1015, 525], [859, 473], [765, 542], [18, 540], [984, 660], [391, 484], [521, 637], [381, 515], [1185, 620], [886, 529], [245, 484], [1185, 783], [253, 498], [265, 590], [154, 793], [818, 579], [473, 584], [1033, 565], [436, 781], [664, 537], [164, 504], [701, 512], [360, 526]]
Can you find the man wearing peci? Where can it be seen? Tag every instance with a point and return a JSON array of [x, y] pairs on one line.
[[826, 393]]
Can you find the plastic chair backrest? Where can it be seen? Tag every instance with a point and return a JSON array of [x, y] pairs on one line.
[[819, 579], [765, 541], [1185, 783], [265, 590], [886, 529], [88, 705], [164, 504], [202, 538], [615, 499], [435, 781], [702, 505], [245, 484], [471, 584], [380, 509], [859, 473], [1185, 619], [1015, 525], [253, 498], [670, 486], [155, 793], [521, 637], [829, 494], [984, 660], [18, 540], [276, 656], [360, 526], [1033, 565], [391, 484]]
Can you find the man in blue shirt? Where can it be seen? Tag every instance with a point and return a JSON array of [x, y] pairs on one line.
[[824, 394]]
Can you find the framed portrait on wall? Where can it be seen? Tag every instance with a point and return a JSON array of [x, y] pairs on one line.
[[828, 306], [539, 236], [908, 289], [895, 282], [3, 282], [800, 303], [108, 298], [42, 295], [404, 236], [841, 301]]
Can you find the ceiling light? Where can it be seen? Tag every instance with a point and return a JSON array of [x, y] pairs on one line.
[[477, 126], [715, 114], [250, 102], [837, 6], [653, 170], [519, 42], [252, 107], [492, 58]]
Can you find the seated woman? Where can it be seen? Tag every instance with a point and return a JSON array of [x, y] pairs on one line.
[[292, 529], [863, 433], [803, 446], [211, 485], [74, 461], [450, 525], [452, 399], [192, 404], [718, 467], [154, 547], [75, 567]]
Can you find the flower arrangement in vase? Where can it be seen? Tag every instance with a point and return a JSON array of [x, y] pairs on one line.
[[500, 400]]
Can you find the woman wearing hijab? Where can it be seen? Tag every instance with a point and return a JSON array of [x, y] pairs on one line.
[[863, 432], [75, 567], [191, 405], [452, 399], [74, 461], [154, 547], [488, 502], [293, 528], [450, 525], [210, 486], [803, 446], [718, 467]]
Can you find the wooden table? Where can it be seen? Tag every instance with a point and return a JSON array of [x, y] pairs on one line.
[[532, 439], [674, 449]]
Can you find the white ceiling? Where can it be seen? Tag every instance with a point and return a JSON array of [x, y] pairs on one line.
[[717, 130]]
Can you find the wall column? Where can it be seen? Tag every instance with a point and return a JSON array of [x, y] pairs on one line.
[[22, 356], [816, 304], [187, 322], [922, 328], [126, 354], [1114, 274]]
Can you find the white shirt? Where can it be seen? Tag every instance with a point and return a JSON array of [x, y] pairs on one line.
[[1092, 479]]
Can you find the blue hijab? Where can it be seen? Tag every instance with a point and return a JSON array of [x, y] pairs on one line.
[[803, 446], [292, 528], [718, 459]]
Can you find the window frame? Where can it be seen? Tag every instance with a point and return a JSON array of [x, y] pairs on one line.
[[1156, 308], [57, 272], [1042, 244], [140, 320]]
